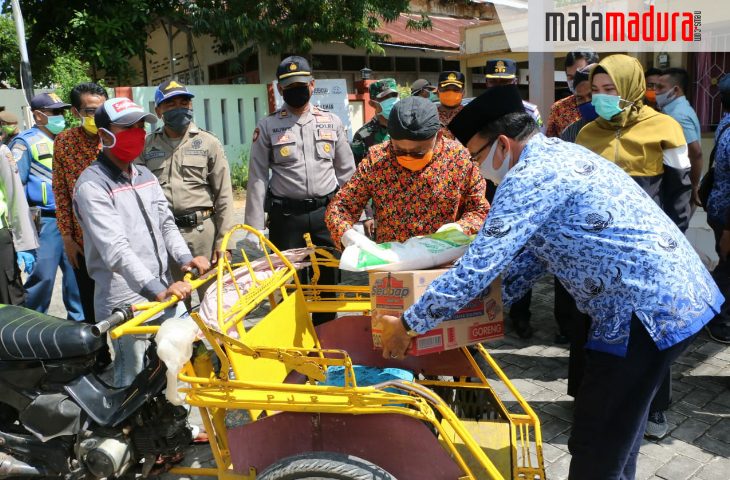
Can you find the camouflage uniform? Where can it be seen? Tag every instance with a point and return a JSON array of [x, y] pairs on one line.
[[373, 132]]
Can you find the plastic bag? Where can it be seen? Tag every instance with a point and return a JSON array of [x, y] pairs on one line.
[[418, 253], [175, 347]]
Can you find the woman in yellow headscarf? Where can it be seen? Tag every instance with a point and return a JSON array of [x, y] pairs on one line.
[[646, 144]]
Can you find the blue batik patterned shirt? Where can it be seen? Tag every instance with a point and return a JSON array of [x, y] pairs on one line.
[[719, 199], [567, 211]]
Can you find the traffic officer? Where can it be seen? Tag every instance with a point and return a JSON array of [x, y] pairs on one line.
[[32, 151], [307, 151], [451, 93], [191, 166], [503, 71], [18, 242]]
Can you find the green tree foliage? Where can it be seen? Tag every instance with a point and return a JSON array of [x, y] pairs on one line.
[[295, 26], [105, 34], [10, 58], [68, 71]]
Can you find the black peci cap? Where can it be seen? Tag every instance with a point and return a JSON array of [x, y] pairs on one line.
[[485, 109], [413, 118]]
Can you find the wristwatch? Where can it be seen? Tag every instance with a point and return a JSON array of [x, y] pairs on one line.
[[409, 330]]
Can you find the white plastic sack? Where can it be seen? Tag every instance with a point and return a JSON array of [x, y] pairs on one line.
[[418, 253], [298, 257], [175, 347]]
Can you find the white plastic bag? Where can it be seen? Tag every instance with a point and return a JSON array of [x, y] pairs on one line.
[[418, 253], [175, 347]]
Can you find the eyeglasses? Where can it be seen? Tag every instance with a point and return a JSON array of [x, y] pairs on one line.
[[474, 157], [87, 112], [403, 153]]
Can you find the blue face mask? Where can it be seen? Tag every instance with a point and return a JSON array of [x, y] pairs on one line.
[[387, 105], [588, 111], [56, 124], [607, 106], [432, 97]]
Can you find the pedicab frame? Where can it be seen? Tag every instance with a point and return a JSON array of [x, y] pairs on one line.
[[276, 351]]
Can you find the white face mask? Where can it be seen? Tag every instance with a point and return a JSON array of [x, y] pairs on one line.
[[664, 99], [487, 166], [570, 86]]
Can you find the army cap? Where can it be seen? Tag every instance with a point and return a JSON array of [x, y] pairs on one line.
[[8, 117], [501, 68], [293, 69], [451, 78], [170, 89], [382, 88]]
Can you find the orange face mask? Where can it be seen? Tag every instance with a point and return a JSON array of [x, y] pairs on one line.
[[414, 164], [450, 98], [651, 95]]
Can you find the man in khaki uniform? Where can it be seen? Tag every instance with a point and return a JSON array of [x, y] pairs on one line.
[[192, 169], [307, 151]]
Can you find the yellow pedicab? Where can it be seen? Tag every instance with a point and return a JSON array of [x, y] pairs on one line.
[[297, 424]]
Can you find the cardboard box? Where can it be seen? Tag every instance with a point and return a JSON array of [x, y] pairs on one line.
[[391, 293]]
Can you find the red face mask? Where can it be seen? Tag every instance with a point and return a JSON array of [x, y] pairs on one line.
[[128, 144]]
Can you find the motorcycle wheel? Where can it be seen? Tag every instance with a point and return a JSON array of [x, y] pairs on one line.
[[324, 465]]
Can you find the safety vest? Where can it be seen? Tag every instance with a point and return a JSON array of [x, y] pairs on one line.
[[39, 188]]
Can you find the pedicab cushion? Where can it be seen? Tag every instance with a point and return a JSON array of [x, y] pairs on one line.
[[368, 376]]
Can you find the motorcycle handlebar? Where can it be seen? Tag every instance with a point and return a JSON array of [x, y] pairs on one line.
[[118, 316]]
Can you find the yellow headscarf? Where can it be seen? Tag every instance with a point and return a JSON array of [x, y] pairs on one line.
[[628, 76], [635, 138]]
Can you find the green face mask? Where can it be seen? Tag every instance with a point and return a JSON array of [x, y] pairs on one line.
[[9, 129]]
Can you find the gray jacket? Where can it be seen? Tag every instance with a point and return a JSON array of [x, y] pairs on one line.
[[127, 251], [25, 236]]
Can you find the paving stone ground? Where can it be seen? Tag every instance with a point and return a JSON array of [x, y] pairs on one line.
[[697, 447]]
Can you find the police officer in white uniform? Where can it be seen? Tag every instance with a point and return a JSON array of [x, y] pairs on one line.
[[307, 151]]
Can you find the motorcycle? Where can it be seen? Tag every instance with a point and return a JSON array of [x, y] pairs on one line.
[[58, 418]]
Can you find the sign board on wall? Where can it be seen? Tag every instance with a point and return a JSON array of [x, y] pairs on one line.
[[330, 95]]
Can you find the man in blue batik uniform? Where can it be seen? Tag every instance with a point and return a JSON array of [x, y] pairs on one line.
[[564, 210]]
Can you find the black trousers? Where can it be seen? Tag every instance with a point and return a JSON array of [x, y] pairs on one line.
[[11, 284], [563, 308], [286, 230], [612, 406], [721, 275], [86, 290]]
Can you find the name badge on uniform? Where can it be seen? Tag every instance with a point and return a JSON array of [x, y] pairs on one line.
[[195, 152], [285, 151], [327, 135], [43, 149], [323, 118], [152, 155]]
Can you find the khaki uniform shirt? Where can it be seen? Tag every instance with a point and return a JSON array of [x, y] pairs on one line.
[[308, 156], [194, 175]]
